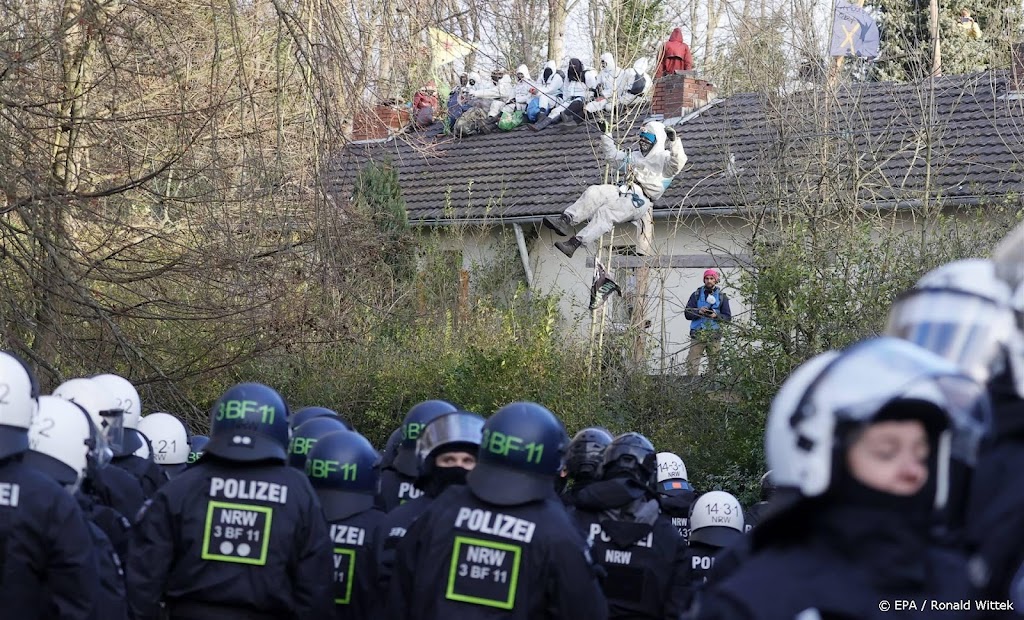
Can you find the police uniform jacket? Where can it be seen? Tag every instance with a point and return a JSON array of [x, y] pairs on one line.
[[354, 540], [643, 562], [465, 558], [396, 489], [995, 512], [47, 566], [232, 540], [842, 563], [148, 473]]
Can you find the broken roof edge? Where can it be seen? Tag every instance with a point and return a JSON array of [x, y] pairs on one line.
[[685, 211]]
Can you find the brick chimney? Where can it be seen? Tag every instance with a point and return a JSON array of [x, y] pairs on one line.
[[379, 122], [680, 93], [1017, 52]]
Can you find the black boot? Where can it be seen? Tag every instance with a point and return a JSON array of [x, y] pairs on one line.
[[569, 247], [561, 226], [541, 123]]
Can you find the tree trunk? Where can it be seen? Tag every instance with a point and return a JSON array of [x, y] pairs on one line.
[[558, 14]]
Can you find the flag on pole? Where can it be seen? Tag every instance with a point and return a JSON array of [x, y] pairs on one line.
[[446, 47], [602, 288], [854, 32]]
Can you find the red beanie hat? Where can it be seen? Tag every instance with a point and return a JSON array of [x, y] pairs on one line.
[[712, 273]]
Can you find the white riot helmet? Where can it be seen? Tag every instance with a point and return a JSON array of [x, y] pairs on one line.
[[19, 394], [124, 395], [143, 449], [89, 395], [962, 311], [835, 391], [64, 442], [168, 437], [716, 519], [671, 467]]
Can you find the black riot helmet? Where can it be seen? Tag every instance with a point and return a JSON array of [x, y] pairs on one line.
[[390, 450], [344, 469], [305, 414], [305, 436], [631, 455], [585, 453], [417, 418], [196, 444], [520, 455], [452, 432], [249, 422]]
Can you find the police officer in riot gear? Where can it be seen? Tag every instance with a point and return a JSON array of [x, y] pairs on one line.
[[582, 462], [345, 471], [134, 454], [503, 544], [48, 570], [856, 441], [716, 523], [196, 444], [305, 435], [239, 534], [971, 312], [169, 439], [66, 446], [674, 492], [640, 551], [447, 451], [111, 486], [398, 483]]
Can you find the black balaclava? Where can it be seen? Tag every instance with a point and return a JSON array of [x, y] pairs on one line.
[[575, 73]]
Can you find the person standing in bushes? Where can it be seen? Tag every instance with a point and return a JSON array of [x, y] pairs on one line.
[[706, 309]]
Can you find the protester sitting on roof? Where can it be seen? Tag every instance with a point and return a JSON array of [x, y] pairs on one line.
[[424, 104], [634, 83], [491, 97], [521, 91], [674, 55], [549, 91], [647, 173], [575, 93], [607, 80], [458, 102]]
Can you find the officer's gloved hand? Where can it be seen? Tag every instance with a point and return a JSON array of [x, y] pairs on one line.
[[670, 133]]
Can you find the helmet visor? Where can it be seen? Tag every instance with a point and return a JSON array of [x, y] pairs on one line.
[[113, 428], [964, 401], [449, 429], [967, 330]]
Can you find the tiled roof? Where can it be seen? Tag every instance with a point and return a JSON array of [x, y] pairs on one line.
[[961, 136]]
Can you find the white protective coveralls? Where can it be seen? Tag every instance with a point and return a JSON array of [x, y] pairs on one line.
[[521, 91], [647, 178], [494, 95], [607, 82], [628, 77], [550, 87], [574, 88]]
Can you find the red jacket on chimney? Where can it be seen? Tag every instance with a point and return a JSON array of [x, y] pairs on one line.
[[675, 55]]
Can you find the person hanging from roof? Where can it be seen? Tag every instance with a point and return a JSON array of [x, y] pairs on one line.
[[648, 174], [575, 92], [634, 83], [424, 105], [674, 55], [607, 82]]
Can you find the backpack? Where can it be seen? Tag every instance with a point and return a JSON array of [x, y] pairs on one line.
[[639, 84], [472, 121], [533, 109], [510, 120]]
